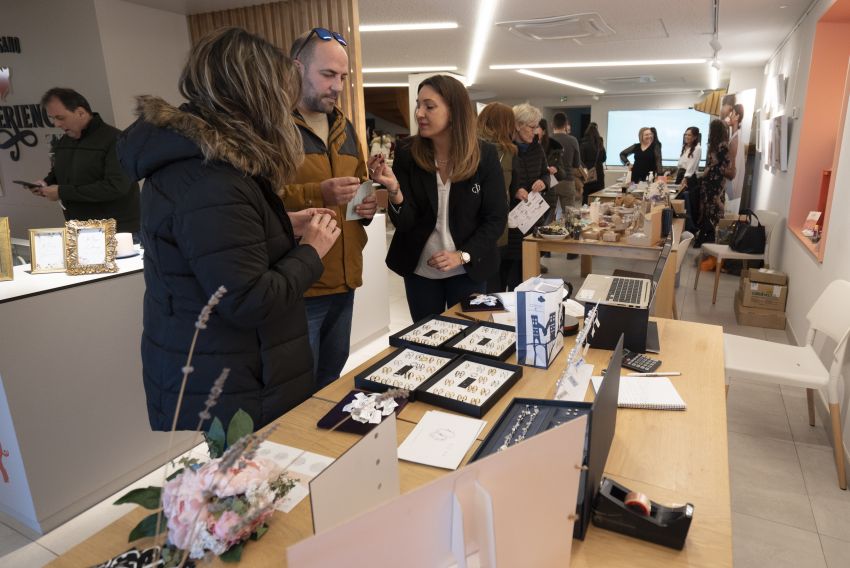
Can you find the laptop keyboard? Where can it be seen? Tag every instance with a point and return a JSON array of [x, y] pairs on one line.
[[625, 290]]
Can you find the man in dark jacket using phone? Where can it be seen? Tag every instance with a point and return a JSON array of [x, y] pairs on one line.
[[86, 177]]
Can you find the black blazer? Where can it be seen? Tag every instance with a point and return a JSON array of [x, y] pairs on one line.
[[478, 213]]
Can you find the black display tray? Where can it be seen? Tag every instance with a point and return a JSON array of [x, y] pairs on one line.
[[361, 380], [341, 421], [468, 408], [466, 306], [451, 345], [397, 341]]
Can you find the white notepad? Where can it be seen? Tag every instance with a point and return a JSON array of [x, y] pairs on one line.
[[440, 439], [654, 393]]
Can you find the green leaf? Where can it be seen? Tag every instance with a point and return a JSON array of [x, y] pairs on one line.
[[147, 497], [215, 438], [175, 474], [240, 425], [147, 527], [234, 554], [261, 530]]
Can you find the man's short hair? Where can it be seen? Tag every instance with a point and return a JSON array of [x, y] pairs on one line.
[[559, 121], [71, 99], [306, 51]]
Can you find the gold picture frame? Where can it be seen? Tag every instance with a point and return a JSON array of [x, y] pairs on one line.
[[49, 253], [7, 271], [90, 247]]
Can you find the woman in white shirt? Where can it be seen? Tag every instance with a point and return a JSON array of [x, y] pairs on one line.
[[688, 167]]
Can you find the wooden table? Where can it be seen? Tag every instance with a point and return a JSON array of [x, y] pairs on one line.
[[674, 457], [666, 292], [609, 193]]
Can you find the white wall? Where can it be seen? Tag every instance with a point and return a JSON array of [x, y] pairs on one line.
[[144, 50], [108, 50], [808, 277], [60, 47]]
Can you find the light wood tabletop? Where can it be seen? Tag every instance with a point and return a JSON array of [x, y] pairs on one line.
[[672, 456]]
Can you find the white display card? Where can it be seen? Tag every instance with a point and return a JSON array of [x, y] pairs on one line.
[[434, 332], [487, 340], [471, 382], [299, 465], [91, 246], [408, 369], [362, 478], [440, 439]]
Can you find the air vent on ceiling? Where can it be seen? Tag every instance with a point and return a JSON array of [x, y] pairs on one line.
[[630, 80], [570, 26]]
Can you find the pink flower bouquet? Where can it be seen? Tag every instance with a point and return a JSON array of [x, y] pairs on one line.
[[213, 508]]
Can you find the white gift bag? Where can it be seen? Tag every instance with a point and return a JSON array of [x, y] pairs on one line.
[[539, 321]]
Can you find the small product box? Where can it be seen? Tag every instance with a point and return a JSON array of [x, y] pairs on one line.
[[764, 289], [758, 317]]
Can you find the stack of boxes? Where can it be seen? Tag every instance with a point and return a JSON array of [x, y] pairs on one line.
[[760, 301]]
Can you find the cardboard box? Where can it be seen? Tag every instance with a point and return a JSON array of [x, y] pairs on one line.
[[758, 317], [761, 295], [766, 275]]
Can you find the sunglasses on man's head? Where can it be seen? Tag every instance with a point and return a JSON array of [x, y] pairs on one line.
[[324, 35]]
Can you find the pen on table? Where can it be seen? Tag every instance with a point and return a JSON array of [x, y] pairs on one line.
[[464, 316], [662, 374]]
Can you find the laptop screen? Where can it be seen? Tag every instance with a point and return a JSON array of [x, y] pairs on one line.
[[659, 267]]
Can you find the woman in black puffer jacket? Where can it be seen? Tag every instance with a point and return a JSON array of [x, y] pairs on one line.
[[210, 218], [530, 175]]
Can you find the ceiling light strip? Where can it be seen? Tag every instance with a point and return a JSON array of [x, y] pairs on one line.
[[483, 25], [581, 64], [408, 27], [409, 69], [561, 81], [368, 85]]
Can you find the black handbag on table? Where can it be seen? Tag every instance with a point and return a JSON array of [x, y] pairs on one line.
[[747, 237]]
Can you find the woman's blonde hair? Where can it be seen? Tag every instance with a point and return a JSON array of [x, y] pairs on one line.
[[641, 131], [527, 114], [463, 152], [244, 88], [496, 124]]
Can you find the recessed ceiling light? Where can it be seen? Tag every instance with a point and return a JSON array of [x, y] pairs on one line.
[[577, 64], [368, 85], [409, 69], [408, 27], [483, 25], [561, 81]]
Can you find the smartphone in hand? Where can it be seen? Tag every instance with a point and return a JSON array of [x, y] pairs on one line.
[[27, 184]]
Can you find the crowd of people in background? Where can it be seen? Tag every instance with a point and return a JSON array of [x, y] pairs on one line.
[[247, 186]]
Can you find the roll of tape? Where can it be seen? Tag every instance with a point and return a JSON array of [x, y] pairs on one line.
[[638, 502]]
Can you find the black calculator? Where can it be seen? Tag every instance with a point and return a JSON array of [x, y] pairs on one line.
[[638, 362]]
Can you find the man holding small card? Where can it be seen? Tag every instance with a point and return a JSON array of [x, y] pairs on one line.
[[332, 176]]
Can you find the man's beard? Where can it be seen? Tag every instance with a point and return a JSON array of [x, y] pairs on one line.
[[317, 103]]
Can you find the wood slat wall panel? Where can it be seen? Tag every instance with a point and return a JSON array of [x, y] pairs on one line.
[[281, 22]]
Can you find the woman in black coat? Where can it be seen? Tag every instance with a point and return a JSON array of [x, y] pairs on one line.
[[446, 194], [530, 175], [210, 218], [593, 156], [647, 156]]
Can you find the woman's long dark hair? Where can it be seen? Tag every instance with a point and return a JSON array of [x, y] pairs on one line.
[[696, 141], [717, 135]]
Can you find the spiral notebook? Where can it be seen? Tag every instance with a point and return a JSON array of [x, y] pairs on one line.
[[653, 393]]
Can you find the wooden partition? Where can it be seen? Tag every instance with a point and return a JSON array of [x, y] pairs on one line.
[[282, 22]]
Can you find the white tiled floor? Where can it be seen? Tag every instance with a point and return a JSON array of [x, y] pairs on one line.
[[787, 508]]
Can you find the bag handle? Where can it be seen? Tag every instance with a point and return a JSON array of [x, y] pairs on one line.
[[750, 214]]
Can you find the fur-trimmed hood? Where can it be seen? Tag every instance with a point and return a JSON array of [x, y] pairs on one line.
[[164, 134]]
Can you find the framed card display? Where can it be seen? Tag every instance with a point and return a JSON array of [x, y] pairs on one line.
[[407, 368], [432, 332], [90, 247], [7, 272], [491, 340], [470, 385], [47, 247]]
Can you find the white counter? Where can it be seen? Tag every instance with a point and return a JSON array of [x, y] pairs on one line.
[[73, 417]]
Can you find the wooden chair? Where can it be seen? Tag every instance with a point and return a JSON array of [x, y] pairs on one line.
[[722, 252], [800, 366]]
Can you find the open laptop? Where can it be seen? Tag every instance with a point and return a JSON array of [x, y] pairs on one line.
[[625, 291]]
